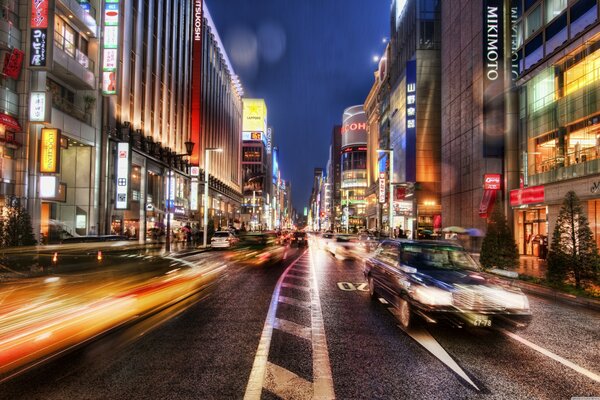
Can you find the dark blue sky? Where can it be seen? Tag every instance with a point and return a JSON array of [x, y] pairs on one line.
[[309, 59]]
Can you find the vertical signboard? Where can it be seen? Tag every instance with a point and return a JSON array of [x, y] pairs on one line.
[[50, 151], [38, 34], [196, 112], [194, 194], [123, 157], [39, 107], [411, 120], [110, 47], [382, 187], [493, 78]]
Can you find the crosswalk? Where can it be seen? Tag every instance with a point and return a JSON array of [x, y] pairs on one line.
[[300, 280]]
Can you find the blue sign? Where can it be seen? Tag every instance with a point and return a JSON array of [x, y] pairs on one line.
[[411, 121]]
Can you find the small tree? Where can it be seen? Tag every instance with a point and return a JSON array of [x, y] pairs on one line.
[[16, 228], [573, 251], [498, 248], [210, 229]]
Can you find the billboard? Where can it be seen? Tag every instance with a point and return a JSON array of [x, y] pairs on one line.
[[254, 115], [123, 157], [110, 47], [50, 151], [354, 126]]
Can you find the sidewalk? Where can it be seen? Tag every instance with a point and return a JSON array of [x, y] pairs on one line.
[[528, 265]]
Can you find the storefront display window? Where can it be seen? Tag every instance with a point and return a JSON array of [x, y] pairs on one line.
[[594, 219], [532, 232], [582, 73]]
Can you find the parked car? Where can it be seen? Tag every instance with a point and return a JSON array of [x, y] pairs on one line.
[[223, 239], [440, 281], [299, 238]]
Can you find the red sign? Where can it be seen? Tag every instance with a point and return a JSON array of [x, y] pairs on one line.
[[530, 195], [10, 122], [196, 105], [400, 193], [354, 126], [12, 64], [39, 14], [492, 182]]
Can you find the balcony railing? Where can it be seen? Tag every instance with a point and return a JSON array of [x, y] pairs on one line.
[[575, 164], [67, 107], [68, 47]]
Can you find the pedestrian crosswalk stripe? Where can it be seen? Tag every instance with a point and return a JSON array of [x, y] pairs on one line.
[[292, 328], [286, 384]]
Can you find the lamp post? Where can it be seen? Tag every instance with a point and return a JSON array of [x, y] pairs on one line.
[[189, 148], [205, 202], [391, 185]]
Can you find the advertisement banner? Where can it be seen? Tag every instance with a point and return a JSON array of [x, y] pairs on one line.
[[39, 14], [493, 78], [529, 195], [492, 182], [196, 95], [194, 194], [50, 151], [254, 115], [381, 187], [122, 176], [13, 63], [110, 47], [39, 107], [411, 120]]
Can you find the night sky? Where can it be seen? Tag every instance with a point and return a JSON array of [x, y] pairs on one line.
[[309, 59]]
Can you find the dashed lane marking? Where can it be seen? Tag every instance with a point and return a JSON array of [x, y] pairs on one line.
[[294, 302], [292, 328], [322, 376], [593, 376], [292, 286], [257, 375], [425, 339], [285, 384], [295, 276]]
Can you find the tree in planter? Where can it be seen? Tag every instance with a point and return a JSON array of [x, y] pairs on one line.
[[16, 228], [498, 248], [210, 229], [573, 251]]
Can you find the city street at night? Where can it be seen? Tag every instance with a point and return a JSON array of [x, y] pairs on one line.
[[299, 200], [207, 346]]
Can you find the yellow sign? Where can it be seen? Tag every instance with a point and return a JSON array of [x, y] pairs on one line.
[[50, 151], [254, 115]]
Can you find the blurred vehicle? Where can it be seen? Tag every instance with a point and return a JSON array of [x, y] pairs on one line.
[[367, 242], [299, 239], [325, 239], [440, 281], [223, 240], [259, 249], [343, 247]]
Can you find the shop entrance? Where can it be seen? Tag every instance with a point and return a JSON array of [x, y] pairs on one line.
[[532, 232]]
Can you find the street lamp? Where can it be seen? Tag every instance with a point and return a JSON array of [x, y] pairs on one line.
[[391, 199], [205, 202], [189, 148]]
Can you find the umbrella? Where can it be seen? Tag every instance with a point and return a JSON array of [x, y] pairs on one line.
[[454, 229], [475, 232]]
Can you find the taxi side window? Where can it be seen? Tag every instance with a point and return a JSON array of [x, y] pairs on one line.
[[388, 253]]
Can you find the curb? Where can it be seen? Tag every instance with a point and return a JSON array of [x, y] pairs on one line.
[[557, 295]]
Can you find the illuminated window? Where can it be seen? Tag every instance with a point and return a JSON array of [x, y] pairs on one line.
[[583, 73], [541, 90], [554, 8]]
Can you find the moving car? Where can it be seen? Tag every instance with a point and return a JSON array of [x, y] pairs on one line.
[[259, 249], [342, 247], [299, 239], [223, 239], [440, 281]]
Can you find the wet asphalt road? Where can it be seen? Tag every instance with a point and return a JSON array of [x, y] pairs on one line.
[[206, 349]]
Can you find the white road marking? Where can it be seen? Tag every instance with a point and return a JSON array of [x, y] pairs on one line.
[[285, 384], [322, 376], [284, 255], [292, 286], [292, 328], [294, 302], [593, 376], [425, 339], [257, 375], [382, 300]]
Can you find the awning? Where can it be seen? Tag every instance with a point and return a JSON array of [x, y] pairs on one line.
[[10, 122], [487, 202]]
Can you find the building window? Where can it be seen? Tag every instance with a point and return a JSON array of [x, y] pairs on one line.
[[533, 21], [554, 8], [583, 73], [542, 90]]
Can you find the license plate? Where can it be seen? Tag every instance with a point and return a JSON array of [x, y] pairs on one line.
[[481, 321]]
